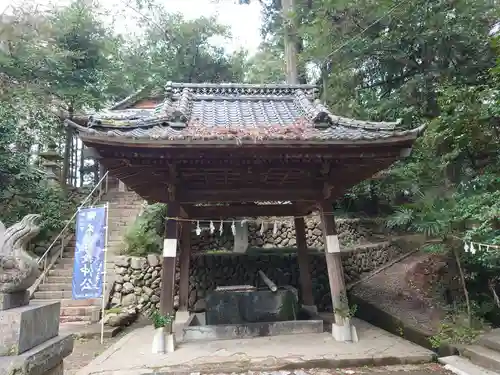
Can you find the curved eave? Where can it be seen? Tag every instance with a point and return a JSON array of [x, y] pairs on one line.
[[100, 137]]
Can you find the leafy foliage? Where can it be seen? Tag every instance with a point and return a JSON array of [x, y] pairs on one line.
[[143, 237], [160, 321], [433, 63], [61, 60]]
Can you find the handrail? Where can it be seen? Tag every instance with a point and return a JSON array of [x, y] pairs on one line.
[[47, 266], [45, 254]]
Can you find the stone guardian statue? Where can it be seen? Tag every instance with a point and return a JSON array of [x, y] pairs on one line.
[[18, 270]]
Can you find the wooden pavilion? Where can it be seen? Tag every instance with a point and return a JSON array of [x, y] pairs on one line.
[[195, 146]]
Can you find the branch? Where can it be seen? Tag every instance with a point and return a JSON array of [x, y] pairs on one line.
[[392, 80]]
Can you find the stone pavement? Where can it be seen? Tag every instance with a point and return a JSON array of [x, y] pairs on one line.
[[132, 354], [385, 370]]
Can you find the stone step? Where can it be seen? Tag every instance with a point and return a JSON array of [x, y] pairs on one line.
[[122, 217], [491, 340], [119, 224], [66, 260], [462, 366], [121, 206], [80, 311], [76, 319], [68, 302], [483, 357], [58, 280], [67, 272], [64, 267], [130, 205], [55, 287], [53, 294]]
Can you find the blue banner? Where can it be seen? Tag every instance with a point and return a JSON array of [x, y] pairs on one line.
[[90, 238]]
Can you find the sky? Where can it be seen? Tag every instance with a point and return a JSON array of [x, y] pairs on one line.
[[243, 20]]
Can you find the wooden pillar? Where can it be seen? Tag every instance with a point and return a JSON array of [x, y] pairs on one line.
[[184, 259], [303, 259], [168, 264], [341, 329]]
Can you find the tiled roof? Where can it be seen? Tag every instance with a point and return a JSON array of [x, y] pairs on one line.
[[234, 111]]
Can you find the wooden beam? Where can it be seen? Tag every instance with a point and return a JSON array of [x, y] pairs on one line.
[[245, 210], [246, 195], [168, 263], [272, 161], [184, 261], [248, 155], [303, 260], [333, 261]]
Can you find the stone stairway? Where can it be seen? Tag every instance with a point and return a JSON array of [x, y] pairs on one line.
[[123, 210], [481, 358]]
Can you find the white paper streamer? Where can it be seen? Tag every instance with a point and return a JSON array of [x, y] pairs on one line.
[[221, 227], [198, 229], [212, 227], [233, 228], [474, 247]]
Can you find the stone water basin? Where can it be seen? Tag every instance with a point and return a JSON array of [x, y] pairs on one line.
[[245, 311]]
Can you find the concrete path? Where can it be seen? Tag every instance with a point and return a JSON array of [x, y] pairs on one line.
[[132, 354], [431, 369]]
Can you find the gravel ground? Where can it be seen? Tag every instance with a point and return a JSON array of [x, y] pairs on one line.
[[388, 291], [85, 350]]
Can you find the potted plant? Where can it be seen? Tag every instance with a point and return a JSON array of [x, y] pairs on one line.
[[163, 339]]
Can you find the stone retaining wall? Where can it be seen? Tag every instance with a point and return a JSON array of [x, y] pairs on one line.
[[351, 232], [138, 279]]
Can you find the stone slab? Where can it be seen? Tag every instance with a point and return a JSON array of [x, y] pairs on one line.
[[132, 354], [491, 340], [483, 357], [44, 359], [462, 366], [88, 331], [248, 330], [25, 327], [13, 300]]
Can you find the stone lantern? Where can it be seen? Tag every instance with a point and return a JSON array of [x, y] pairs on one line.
[[51, 163]]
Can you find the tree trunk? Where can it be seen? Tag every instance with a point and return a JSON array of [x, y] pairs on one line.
[[67, 151], [464, 286]]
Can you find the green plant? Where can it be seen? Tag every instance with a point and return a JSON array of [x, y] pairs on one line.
[[453, 334], [144, 236], [343, 309], [160, 321], [141, 241], [346, 312]]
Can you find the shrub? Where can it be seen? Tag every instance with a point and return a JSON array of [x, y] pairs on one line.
[[144, 236]]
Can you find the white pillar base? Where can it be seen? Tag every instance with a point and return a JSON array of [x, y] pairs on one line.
[[159, 338], [312, 309], [181, 317], [170, 343], [163, 342], [345, 333]]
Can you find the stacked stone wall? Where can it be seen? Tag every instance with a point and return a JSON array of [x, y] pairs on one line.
[[138, 280], [351, 232]]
